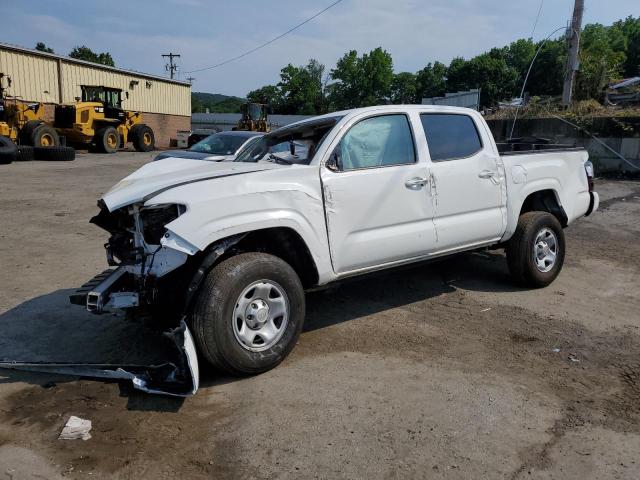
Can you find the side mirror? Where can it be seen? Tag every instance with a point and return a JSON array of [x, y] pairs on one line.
[[333, 162]]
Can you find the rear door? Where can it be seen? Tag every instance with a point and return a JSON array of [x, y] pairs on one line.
[[467, 181], [376, 194]]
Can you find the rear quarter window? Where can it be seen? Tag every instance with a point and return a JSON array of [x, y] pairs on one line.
[[450, 136]]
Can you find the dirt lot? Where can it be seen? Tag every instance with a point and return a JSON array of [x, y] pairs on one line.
[[439, 371]]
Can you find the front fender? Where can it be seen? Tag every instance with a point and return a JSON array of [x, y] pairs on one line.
[[202, 226]]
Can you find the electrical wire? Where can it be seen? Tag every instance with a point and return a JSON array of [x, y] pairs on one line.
[[535, 25], [617, 154], [526, 78], [248, 52]]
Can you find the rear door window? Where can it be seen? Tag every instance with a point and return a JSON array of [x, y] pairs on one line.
[[450, 136]]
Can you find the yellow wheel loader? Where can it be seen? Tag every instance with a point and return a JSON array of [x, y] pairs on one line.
[[99, 119], [22, 122], [254, 118]]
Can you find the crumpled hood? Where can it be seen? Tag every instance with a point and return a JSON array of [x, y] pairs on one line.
[[156, 177]]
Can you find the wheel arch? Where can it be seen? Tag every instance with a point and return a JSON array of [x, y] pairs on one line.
[[281, 241], [545, 200]]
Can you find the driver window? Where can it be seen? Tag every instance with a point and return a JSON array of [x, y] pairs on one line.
[[377, 142]]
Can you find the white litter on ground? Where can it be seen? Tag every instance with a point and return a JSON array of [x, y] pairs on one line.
[[76, 428]]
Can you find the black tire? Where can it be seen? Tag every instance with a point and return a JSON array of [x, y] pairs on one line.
[[56, 154], [27, 131], [25, 153], [142, 138], [8, 151], [45, 136], [522, 250], [213, 314], [107, 140]]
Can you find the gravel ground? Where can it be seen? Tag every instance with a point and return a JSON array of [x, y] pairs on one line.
[[438, 371]]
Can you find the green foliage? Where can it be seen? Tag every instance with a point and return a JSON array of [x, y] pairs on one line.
[[431, 81], [361, 81], [41, 47], [607, 54], [215, 102], [602, 59], [85, 53], [269, 95], [403, 88], [299, 91]]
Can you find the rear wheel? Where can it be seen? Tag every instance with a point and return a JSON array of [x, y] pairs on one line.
[[107, 140], [249, 313], [142, 138], [535, 253], [45, 136]]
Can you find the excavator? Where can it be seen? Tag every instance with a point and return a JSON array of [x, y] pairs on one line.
[[97, 118], [254, 118], [22, 121]]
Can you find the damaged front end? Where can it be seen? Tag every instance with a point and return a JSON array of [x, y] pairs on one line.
[[146, 260], [149, 274]]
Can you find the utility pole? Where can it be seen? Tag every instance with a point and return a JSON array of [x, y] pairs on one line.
[[190, 80], [573, 64], [171, 67]]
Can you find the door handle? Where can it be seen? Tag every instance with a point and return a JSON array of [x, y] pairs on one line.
[[486, 174], [416, 183]]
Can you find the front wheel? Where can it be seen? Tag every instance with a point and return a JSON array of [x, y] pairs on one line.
[[142, 138], [535, 253], [249, 313], [107, 140]]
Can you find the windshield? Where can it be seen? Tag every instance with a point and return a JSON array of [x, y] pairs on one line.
[[290, 145], [219, 144]]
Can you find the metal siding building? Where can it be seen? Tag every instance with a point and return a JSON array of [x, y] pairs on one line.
[[52, 79], [468, 99]]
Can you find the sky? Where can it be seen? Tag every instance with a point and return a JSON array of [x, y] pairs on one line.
[[206, 32]]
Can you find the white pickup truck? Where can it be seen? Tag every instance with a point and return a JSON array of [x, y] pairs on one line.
[[231, 247]]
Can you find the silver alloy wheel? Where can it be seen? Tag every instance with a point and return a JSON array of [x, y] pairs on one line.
[[261, 315], [545, 250]]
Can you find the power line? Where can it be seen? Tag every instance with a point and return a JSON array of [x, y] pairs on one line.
[[248, 52], [535, 25]]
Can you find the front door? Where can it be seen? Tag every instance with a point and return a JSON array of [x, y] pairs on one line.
[[376, 194], [467, 181]]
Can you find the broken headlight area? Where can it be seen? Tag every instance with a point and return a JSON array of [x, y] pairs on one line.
[[135, 230], [155, 217], [144, 265]]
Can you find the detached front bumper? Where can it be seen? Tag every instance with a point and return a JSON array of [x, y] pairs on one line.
[[110, 290]]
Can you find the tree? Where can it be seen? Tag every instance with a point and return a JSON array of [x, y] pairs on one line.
[[301, 89], [431, 81], [489, 72], [361, 81], [599, 62], [403, 88], [269, 95], [85, 53], [41, 47]]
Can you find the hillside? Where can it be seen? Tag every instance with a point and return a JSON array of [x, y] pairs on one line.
[[215, 102]]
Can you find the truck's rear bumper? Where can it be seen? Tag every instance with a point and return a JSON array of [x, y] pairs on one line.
[[594, 203]]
